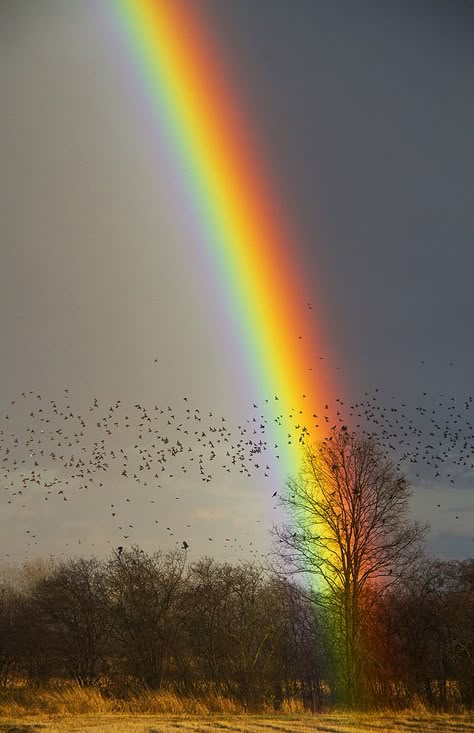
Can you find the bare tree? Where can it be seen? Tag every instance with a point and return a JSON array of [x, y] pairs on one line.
[[70, 605], [143, 593], [10, 605], [348, 529], [432, 638], [241, 616], [301, 659]]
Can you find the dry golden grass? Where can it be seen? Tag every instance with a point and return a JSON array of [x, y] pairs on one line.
[[331, 723], [70, 708], [75, 700]]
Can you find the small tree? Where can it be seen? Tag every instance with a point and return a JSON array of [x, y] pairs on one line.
[[143, 593], [239, 611], [71, 609], [432, 644], [348, 528]]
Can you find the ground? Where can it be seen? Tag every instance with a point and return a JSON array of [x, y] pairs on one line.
[[331, 723]]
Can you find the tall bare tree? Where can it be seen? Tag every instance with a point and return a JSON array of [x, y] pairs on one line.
[[348, 529]]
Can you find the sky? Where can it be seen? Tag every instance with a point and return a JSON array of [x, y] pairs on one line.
[[362, 113]]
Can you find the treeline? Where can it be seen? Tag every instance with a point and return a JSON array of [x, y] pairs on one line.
[[156, 621]]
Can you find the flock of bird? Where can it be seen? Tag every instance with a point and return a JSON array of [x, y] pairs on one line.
[[52, 452], [57, 452]]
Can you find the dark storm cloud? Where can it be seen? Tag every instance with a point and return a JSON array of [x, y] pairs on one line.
[[366, 112]]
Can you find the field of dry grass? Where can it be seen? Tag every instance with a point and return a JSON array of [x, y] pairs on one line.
[[331, 723], [70, 709]]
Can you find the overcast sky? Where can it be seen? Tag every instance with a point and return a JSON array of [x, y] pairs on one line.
[[364, 116]]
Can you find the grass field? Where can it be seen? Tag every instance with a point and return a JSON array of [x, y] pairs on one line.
[[331, 723], [71, 709]]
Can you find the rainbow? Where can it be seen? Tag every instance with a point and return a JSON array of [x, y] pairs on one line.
[[250, 245]]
